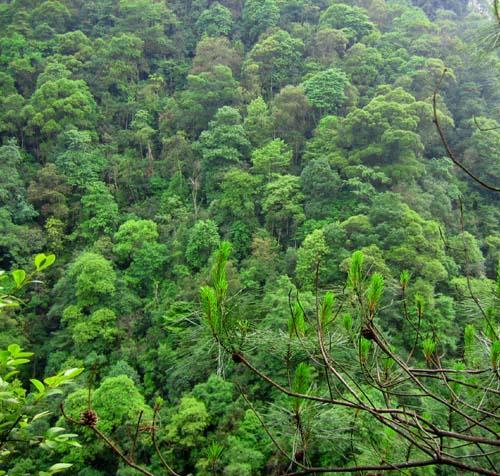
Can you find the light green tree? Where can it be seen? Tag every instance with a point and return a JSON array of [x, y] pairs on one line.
[[310, 259], [203, 240], [60, 105], [282, 205], [90, 280], [325, 90], [192, 109], [132, 235], [94, 333], [353, 21], [99, 212], [258, 16], [215, 21], [272, 158], [278, 59], [136, 246], [188, 423], [258, 123], [237, 197], [80, 161], [225, 141]]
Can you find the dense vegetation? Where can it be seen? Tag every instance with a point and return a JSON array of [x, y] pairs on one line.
[[277, 155]]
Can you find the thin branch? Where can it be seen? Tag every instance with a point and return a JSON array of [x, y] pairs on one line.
[[449, 371], [238, 357], [268, 432], [447, 147], [385, 347], [356, 469], [392, 467], [110, 443], [6, 434], [484, 129], [307, 470], [467, 273], [157, 448], [136, 436]]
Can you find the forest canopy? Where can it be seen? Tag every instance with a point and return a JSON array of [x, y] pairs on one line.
[[249, 237]]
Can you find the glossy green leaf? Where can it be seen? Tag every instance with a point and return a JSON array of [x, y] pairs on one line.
[[59, 467], [43, 261], [19, 276], [39, 385]]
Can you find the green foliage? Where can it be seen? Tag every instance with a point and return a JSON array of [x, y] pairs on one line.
[[203, 239], [302, 380], [138, 138], [325, 90], [22, 403], [375, 291], [320, 185], [277, 57], [353, 21], [92, 279], [296, 322], [60, 105], [365, 347], [216, 394], [258, 16], [224, 143], [355, 275], [99, 211], [12, 191], [215, 21], [274, 157], [188, 423], [495, 355], [428, 348], [97, 332], [80, 163], [237, 196], [117, 401], [309, 259], [282, 205], [385, 129], [327, 309], [206, 92], [258, 124], [132, 235]]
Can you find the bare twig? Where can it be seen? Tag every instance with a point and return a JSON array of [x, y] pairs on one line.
[[447, 147], [392, 467], [136, 436], [484, 129], [157, 448]]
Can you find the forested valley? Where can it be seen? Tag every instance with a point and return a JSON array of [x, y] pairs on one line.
[[249, 237]]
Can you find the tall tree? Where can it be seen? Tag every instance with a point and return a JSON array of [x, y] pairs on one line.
[[277, 56]]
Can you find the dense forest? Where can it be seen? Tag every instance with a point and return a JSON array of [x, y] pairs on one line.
[[234, 242]]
